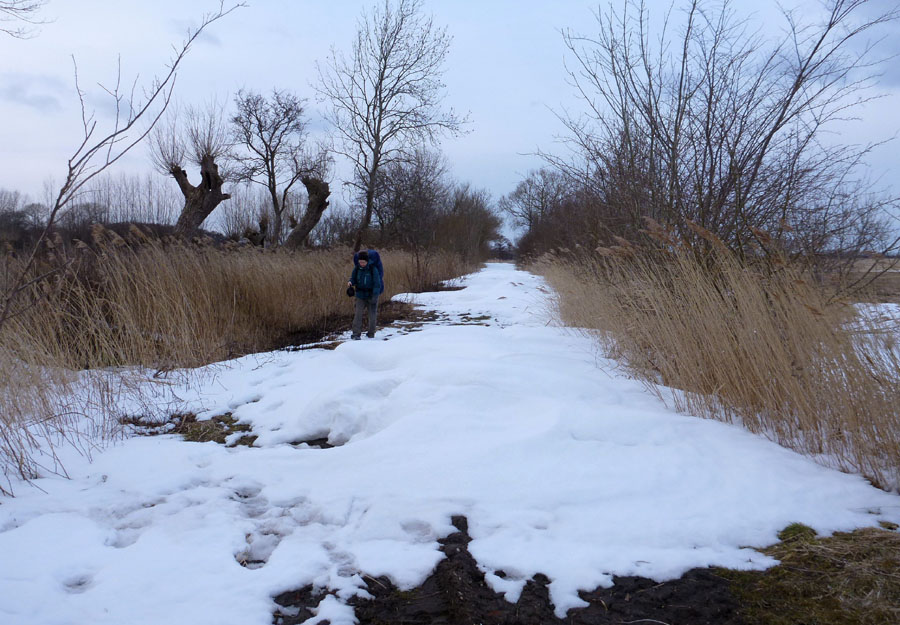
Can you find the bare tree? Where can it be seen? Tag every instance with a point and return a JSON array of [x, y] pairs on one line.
[[271, 133], [720, 128], [199, 135], [20, 11], [469, 224], [10, 200], [540, 192], [409, 197], [134, 198], [386, 96]]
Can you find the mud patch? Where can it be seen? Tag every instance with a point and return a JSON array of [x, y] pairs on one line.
[[294, 606], [316, 443], [327, 335], [443, 287], [456, 593], [476, 320]]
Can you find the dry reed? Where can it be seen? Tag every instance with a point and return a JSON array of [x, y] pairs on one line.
[[162, 306], [762, 347]]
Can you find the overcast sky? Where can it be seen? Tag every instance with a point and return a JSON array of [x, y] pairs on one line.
[[505, 68]]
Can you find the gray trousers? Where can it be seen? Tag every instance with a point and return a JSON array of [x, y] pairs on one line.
[[362, 305]]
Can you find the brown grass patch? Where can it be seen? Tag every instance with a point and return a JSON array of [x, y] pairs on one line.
[[217, 429], [884, 288]]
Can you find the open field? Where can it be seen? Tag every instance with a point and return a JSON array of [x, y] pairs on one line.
[[885, 288]]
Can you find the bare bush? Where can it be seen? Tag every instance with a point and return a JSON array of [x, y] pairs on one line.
[[337, 228], [468, 226], [409, 197], [718, 126]]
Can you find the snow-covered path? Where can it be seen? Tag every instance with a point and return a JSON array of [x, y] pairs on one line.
[[561, 468]]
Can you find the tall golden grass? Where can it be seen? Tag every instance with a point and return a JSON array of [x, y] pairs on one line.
[[760, 346], [160, 305]]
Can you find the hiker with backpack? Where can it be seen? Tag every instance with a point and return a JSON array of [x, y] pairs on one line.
[[367, 282]]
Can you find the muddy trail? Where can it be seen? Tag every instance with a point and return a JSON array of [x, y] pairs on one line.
[[456, 594]]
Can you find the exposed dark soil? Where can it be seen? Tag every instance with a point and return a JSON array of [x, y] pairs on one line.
[[324, 334], [457, 594], [319, 443], [444, 287]]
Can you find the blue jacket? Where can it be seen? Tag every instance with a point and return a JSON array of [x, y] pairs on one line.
[[374, 260], [366, 281]]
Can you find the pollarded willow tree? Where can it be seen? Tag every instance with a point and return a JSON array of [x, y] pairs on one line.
[[198, 135], [386, 95]]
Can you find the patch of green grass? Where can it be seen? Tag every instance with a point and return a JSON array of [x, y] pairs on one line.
[[797, 532], [847, 579]]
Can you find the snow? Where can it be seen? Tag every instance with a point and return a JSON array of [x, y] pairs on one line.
[[561, 466], [884, 316]]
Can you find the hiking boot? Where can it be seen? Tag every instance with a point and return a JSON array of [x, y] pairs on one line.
[[371, 335], [355, 337]]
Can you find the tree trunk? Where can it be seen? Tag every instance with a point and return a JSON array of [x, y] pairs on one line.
[[370, 203], [318, 193], [200, 200], [273, 239]]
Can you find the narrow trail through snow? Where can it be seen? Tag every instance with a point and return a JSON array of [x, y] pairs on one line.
[[561, 467]]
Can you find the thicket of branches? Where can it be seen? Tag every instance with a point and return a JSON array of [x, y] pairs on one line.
[[719, 127]]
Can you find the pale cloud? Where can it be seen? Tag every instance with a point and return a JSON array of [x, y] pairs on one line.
[[41, 93], [505, 68]]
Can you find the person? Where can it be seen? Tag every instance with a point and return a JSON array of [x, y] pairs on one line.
[[374, 260], [366, 280]]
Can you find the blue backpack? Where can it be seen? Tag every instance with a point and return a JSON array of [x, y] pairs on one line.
[[374, 261]]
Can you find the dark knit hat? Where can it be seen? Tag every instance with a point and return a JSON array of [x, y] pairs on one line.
[[364, 256]]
